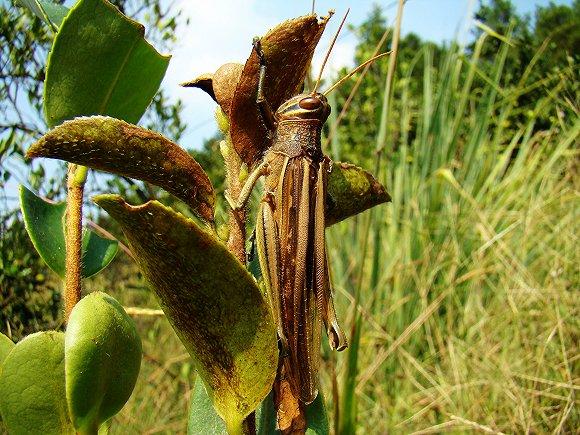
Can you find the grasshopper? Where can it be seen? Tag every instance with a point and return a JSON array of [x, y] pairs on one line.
[[290, 229]]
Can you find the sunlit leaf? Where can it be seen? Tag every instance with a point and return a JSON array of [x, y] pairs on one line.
[[51, 13], [103, 357], [351, 190], [32, 387], [6, 345], [288, 49], [45, 225], [100, 64], [212, 302], [112, 145]]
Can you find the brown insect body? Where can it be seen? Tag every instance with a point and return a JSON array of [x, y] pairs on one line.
[[291, 239]]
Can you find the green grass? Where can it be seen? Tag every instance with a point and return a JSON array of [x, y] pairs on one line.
[[468, 280], [472, 323]]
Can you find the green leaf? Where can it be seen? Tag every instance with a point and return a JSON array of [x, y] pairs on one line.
[[100, 64], [266, 420], [203, 418], [6, 345], [32, 387], [351, 190], [103, 357], [51, 13], [112, 145], [98, 252], [202, 415], [45, 225], [211, 300], [317, 417]]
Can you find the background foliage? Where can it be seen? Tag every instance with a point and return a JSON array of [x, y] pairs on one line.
[[468, 280]]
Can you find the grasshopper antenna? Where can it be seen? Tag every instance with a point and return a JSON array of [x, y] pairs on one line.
[[354, 71], [329, 50]]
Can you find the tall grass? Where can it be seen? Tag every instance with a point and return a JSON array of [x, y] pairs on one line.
[[471, 323]]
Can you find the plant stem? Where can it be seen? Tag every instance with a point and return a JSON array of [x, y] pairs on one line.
[[236, 218], [382, 136], [237, 227], [73, 237], [243, 427]]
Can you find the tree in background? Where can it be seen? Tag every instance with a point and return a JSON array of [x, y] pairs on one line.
[[30, 300], [545, 53], [358, 129], [549, 44]]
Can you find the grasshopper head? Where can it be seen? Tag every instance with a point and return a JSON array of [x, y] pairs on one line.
[[304, 106]]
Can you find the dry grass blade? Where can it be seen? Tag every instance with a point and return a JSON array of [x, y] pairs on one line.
[[416, 324]]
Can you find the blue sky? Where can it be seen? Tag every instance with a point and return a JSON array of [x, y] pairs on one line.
[[221, 31]]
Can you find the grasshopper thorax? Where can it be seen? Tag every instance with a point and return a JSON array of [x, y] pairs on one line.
[[313, 106]]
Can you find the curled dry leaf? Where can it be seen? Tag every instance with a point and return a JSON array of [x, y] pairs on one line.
[[351, 190], [288, 49], [210, 299], [203, 82], [112, 145], [221, 85]]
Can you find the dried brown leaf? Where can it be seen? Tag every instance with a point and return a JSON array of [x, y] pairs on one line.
[[288, 50], [203, 82]]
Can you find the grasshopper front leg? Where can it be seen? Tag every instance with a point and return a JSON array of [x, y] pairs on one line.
[[263, 105], [246, 191]]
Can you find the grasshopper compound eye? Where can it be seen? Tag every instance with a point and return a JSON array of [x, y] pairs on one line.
[[310, 103]]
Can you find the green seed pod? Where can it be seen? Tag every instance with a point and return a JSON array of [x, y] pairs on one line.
[[102, 360]]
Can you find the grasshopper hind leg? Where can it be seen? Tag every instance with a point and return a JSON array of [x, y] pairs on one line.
[[336, 336], [268, 255]]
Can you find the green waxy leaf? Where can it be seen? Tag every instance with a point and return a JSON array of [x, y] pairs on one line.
[[203, 418], [100, 64], [112, 145], [202, 415], [351, 190], [6, 345], [45, 225], [32, 387], [212, 302], [51, 13], [103, 357]]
